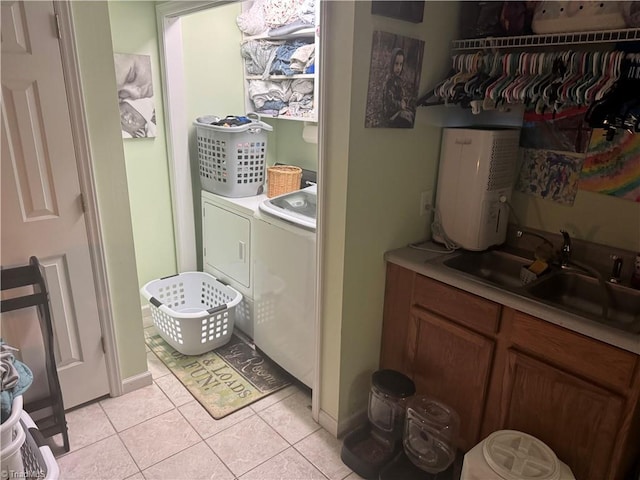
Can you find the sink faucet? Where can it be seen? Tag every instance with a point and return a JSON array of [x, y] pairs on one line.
[[567, 264], [521, 233], [565, 251]]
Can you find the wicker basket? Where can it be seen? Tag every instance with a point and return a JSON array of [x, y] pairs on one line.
[[283, 179]]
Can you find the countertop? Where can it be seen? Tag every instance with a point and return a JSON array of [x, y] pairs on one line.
[[419, 262], [246, 205], [250, 207]]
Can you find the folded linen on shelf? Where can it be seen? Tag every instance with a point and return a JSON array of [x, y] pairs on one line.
[[258, 56], [261, 91], [302, 57], [300, 108], [252, 21], [282, 63], [273, 14], [302, 85]]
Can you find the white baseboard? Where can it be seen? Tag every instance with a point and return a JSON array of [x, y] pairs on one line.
[[328, 423], [147, 321], [339, 429], [137, 381], [355, 420]]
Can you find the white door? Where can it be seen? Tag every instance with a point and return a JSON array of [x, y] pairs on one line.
[[42, 212]]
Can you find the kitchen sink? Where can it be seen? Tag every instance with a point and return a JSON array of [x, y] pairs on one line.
[[604, 302], [493, 266], [299, 207], [572, 291]]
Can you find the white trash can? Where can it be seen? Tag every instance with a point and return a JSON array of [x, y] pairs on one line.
[[513, 455]]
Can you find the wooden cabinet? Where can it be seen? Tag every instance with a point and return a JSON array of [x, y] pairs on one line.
[[503, 369], [578, 419], [451, 363]]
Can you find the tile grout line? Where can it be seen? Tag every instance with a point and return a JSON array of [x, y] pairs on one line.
[[173, 407], [272, 456], [121, 441], [310, 461], [204, 440], [124, 444], [202, 437]]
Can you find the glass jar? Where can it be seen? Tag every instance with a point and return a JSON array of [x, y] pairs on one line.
[[430, 434], [387, 402]]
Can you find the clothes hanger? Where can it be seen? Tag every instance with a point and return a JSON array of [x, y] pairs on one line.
[[546, 74], [597, 75], [549, 93], [589, 59], [612, 104], [510, 93], [494, 92]]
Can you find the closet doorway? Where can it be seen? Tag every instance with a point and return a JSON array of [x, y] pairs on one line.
[[178, 124]]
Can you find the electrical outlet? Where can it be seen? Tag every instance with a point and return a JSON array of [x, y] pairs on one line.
[[426, 202]]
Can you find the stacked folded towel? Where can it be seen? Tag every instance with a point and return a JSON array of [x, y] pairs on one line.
[[16, 378]]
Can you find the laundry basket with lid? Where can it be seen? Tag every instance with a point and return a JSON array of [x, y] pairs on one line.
[[192, 311]]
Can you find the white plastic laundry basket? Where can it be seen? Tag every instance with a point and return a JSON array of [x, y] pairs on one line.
[[11, 457], [232, 159], [193, 312], [37, 458], [9, 428]]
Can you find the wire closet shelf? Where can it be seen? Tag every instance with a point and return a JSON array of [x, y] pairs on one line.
[[551, 39]]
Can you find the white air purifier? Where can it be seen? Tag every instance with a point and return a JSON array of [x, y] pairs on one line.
[[475, 181]]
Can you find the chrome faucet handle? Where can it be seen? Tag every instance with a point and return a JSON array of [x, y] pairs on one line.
[[566, 247], [616, 270]]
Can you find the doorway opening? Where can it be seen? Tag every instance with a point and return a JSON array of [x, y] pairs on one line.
[[178, 83]]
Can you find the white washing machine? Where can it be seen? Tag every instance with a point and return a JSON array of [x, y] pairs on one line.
[[285, 294]]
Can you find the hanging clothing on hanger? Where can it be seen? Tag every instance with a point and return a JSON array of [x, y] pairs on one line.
[[545, 82]]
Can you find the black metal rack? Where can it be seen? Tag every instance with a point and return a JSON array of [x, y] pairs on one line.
[[31, 276]]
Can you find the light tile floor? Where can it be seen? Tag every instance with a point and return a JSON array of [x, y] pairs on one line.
[[162, 432]]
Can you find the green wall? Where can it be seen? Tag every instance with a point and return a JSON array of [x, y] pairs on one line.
[[593, 217], [213, 72], [386, 169], [133, 30], [93, 36], [290, 148], [332, 213], [373, 179], [213, 78]]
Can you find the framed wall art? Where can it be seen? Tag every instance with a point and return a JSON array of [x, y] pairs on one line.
[[135, 95], [394, 79]]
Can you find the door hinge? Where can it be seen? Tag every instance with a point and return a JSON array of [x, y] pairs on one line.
[[205, 251], [104, 349], [58, 29]]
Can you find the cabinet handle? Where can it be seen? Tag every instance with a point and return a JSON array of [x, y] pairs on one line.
[[241, 250]]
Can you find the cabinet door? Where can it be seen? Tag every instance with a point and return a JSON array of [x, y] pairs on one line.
[[452, 364], [226, 237], [577, 419], [397, 304]]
